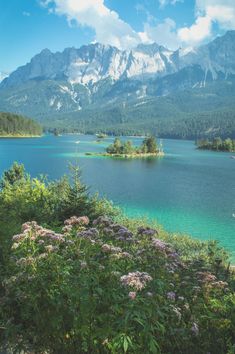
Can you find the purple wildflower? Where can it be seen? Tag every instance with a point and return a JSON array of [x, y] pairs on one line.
[[171, 295], [195, 329], [146, 231]]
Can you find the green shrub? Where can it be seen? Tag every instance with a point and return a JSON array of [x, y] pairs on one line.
[[103, 288], [23, 198], [104, 284]]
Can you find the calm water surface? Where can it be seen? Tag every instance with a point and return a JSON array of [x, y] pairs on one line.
[[187, 191]]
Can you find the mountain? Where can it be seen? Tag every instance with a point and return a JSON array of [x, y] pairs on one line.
[[92, 63], [3, 75], [86, 85]]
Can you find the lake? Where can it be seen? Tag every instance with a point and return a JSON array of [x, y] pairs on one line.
[[188, 191]]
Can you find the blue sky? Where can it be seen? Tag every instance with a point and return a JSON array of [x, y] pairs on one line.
[[28, 26]]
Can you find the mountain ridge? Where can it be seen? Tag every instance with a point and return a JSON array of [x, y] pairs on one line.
[[95, 77]]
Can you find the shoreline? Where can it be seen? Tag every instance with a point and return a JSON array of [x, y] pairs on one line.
[[126, 156], [19, 136], [214, 150]]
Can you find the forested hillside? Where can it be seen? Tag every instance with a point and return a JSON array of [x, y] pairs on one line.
[[15, 125], [191, 114]]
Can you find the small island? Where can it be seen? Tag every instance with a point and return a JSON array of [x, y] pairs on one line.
[[148, 148], [101, 136], [217, 144], [16, 126]]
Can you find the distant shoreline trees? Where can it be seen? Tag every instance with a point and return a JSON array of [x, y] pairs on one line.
[[217, 144], [14, 125]]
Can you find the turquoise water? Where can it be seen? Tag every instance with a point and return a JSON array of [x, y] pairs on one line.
[[187, 191]]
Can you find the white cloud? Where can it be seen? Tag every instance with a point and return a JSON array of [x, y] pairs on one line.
[[163, 33], [164, 3], [200, 30], [209, 12], [108, 27]]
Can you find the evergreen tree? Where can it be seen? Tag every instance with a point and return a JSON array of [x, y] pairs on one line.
[[13, 124], [117, 146], [14, 174], [217, 144], [75, 199], [127, 147], [150, 144]]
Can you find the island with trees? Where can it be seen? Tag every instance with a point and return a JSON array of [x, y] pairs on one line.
[[217, 144], [16, 126], [126, 149], [101, 136]]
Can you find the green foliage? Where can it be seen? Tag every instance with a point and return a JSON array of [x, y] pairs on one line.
[[13, 175], [15, 125], [120, 148], [217, 144], [103, 288], [189, 114], [149, 146], [104, 284], [24, 198], [201, 112]]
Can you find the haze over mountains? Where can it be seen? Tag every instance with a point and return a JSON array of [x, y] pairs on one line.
[[102, 86]]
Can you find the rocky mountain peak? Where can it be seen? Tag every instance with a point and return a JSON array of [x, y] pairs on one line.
[[96, 62]]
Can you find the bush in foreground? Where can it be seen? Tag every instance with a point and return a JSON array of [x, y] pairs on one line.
[[104, 284], [100, 287]]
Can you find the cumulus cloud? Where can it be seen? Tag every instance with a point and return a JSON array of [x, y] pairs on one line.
[[163, 33], [164, 3], [209, 12], [108, 27], [200, 30]]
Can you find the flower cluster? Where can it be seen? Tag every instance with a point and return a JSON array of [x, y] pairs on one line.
[[171, 295], [90, 234], [195, 329], [119, 232], [160, 245], [110, 249], [146, 231], [116, 252], [137, 280], [210, 280], [177, 312], [206, 277], [34, 232], [102, 221], [100, 262], [77, 220]]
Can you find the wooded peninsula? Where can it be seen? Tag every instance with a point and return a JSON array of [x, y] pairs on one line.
[[217, 144], [16, 126]]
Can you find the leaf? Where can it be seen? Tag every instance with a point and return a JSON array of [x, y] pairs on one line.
[[125, 344]]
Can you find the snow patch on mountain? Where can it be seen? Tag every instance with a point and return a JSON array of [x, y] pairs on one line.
[[3, 75]]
